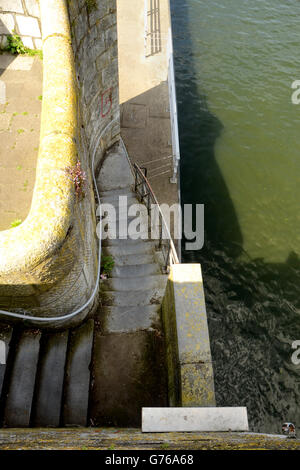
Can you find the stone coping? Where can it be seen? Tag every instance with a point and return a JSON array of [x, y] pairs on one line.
[[115, 439], [30, 252]]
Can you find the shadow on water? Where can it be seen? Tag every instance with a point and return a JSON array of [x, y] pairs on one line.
[[253, 307]]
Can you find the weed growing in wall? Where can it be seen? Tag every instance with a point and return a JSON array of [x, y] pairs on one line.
[[16, 46], [78, 176]]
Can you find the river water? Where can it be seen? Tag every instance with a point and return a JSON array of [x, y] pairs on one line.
[[235, 62]]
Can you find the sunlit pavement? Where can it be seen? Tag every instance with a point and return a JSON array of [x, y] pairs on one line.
[[20, 110]]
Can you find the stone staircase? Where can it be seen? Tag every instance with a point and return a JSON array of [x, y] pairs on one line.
[[46, 378], [129, 329], [133, 294], [104, 371]]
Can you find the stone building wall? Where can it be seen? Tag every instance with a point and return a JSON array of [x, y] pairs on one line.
[[22, 17]]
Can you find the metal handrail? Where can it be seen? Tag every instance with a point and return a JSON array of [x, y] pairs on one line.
[[143, 189]]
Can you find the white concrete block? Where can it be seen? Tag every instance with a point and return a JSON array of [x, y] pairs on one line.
[[27, 42], [33, 7], [7, 23], [194, 419], [28, 26], [11, 5]]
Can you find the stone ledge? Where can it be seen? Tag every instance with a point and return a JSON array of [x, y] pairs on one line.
[[190, 371]]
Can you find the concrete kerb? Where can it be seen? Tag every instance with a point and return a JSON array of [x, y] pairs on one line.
[[32, 252]]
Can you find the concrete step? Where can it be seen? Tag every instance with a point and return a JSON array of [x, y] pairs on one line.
[[137, 270], [140, 258], [134, 260], [115, 172], [132, 248], [127, 191], [5, 337], [133, 298], [120, 200], [50, 378], [128, 241], [135, 283], [21, 385], [128, 319], [77, 378]]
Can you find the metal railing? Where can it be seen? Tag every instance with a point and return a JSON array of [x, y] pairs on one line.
[[146, 195], [152, 28]]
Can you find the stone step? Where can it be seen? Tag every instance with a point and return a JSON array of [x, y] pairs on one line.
[[115, 172], [135, 283], [133, 298], [129, 319], [77, 378], [137, 270], [127, 191], [50, 378], [5, 337], [134, 247], [22, 380], [110, 241], [134, 259], [120, 200]]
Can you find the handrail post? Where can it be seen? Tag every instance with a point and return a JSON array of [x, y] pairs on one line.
[[147, 192], [160, 230]]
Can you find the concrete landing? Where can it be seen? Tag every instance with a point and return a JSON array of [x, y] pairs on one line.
[[132, 439], [20, 109], [144, 94]]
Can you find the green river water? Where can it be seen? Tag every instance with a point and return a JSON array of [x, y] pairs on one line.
[[235, 62]]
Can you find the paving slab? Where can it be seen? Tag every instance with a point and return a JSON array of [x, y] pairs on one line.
[[20, 113]]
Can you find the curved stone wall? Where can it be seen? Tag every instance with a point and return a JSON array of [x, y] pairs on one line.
[[48, 264]]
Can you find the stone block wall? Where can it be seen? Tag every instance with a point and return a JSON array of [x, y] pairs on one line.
[[22, 17], [94, 41], [189, 361]]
